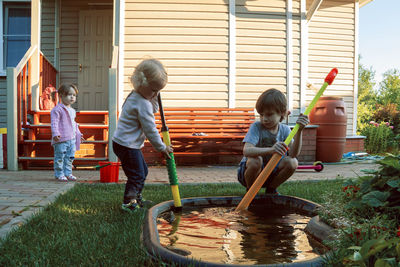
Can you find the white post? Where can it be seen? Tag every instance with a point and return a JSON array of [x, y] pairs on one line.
[[355, 79], [232, 55], [112, 111], [35, 40], [303, 55], [121, 49], [289, 54], [12, 127], [113, 93]]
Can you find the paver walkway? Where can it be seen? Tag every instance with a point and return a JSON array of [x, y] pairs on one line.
[[23, 193]]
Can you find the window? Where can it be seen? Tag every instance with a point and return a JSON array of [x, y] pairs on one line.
[[16, 32]]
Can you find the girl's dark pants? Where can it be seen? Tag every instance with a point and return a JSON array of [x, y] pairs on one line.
[[135, 169]]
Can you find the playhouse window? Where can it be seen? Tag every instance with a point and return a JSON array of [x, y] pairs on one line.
[[16, 32]]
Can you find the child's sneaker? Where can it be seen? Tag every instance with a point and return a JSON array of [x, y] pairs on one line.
[[71, 178], [143, 202], [62, 178], [132, 206]]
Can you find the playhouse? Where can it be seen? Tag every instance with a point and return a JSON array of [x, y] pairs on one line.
[[219, 54]]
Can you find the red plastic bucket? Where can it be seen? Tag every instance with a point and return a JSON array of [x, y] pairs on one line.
[[110, 173]]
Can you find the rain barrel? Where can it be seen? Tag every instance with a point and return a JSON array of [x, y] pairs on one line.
[[330, 114]]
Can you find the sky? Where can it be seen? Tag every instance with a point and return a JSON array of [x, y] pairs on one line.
[[379, 32]]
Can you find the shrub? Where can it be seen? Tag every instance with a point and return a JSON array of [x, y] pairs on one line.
[[379, 137], [367, 214], [388, 113]]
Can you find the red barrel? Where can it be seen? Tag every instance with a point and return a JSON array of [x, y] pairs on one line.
[[330, 114]]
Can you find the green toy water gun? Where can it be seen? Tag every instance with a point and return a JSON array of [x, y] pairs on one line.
[[173, 177]]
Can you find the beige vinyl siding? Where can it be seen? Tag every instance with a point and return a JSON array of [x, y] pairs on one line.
[[3, 103], [296, 42], [261, 49], [190, 38], [69, 33], [331, 44], [48, 29]]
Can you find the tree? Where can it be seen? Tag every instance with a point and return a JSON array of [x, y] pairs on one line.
[[389, 91], [366, 83], [366, 95]]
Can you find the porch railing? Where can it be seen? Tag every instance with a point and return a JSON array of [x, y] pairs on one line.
[[18, 95], [48, 73], [19, 99]]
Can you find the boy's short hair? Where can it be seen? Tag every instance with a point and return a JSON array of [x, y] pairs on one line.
[[272, 99], [64, 89]]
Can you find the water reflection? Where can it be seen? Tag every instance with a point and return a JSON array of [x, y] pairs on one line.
[[258, 236]]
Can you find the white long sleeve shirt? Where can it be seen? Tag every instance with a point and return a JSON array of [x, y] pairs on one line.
[[137, 122]]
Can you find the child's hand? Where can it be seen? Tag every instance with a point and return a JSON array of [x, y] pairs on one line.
[[82, 139], [302, 120], [167, 151], [280, 148], [56, 138]]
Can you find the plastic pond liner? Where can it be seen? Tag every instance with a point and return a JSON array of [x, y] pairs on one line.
[[274, 231]]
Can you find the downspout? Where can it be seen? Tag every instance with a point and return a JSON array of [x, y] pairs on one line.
[[289, 53], [232, 55]]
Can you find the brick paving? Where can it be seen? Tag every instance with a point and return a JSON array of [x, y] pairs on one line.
[[25, 193]]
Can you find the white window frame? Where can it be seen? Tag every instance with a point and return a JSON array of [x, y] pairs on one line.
[[2, 67]]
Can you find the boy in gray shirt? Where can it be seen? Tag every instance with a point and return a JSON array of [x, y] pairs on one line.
[[266, 137]]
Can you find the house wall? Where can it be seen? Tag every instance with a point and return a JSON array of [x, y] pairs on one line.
[[69, 33], [261, 49], [332, 44], [190, 37], [47, 38]]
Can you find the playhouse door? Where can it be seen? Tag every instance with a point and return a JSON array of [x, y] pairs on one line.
[[94, 59]]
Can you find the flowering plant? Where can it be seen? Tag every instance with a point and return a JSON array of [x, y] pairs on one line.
[[379, 137]]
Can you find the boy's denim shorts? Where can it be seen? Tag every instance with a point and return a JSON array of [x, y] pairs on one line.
[[242, 169]]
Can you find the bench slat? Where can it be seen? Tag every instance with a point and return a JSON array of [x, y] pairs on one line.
[[81, 125]]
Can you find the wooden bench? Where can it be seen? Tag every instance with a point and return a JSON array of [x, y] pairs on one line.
[[206, 132]]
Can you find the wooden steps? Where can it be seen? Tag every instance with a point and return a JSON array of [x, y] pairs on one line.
[[35, 150]]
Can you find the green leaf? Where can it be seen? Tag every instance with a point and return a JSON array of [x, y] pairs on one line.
[[375, 198], [398, 249], [367, 246], [391, 161], [394, 183], [369, 171]]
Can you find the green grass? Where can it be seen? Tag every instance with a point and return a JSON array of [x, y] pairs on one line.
[[86, 227]]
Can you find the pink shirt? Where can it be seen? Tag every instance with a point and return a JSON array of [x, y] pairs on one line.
[[61, 125]]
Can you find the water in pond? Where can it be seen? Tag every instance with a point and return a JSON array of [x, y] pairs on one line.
[[258, 236]]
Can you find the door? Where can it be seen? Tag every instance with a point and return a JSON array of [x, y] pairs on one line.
[[94, 58]]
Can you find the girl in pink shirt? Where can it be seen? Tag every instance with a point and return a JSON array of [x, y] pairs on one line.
[[66, 137]]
